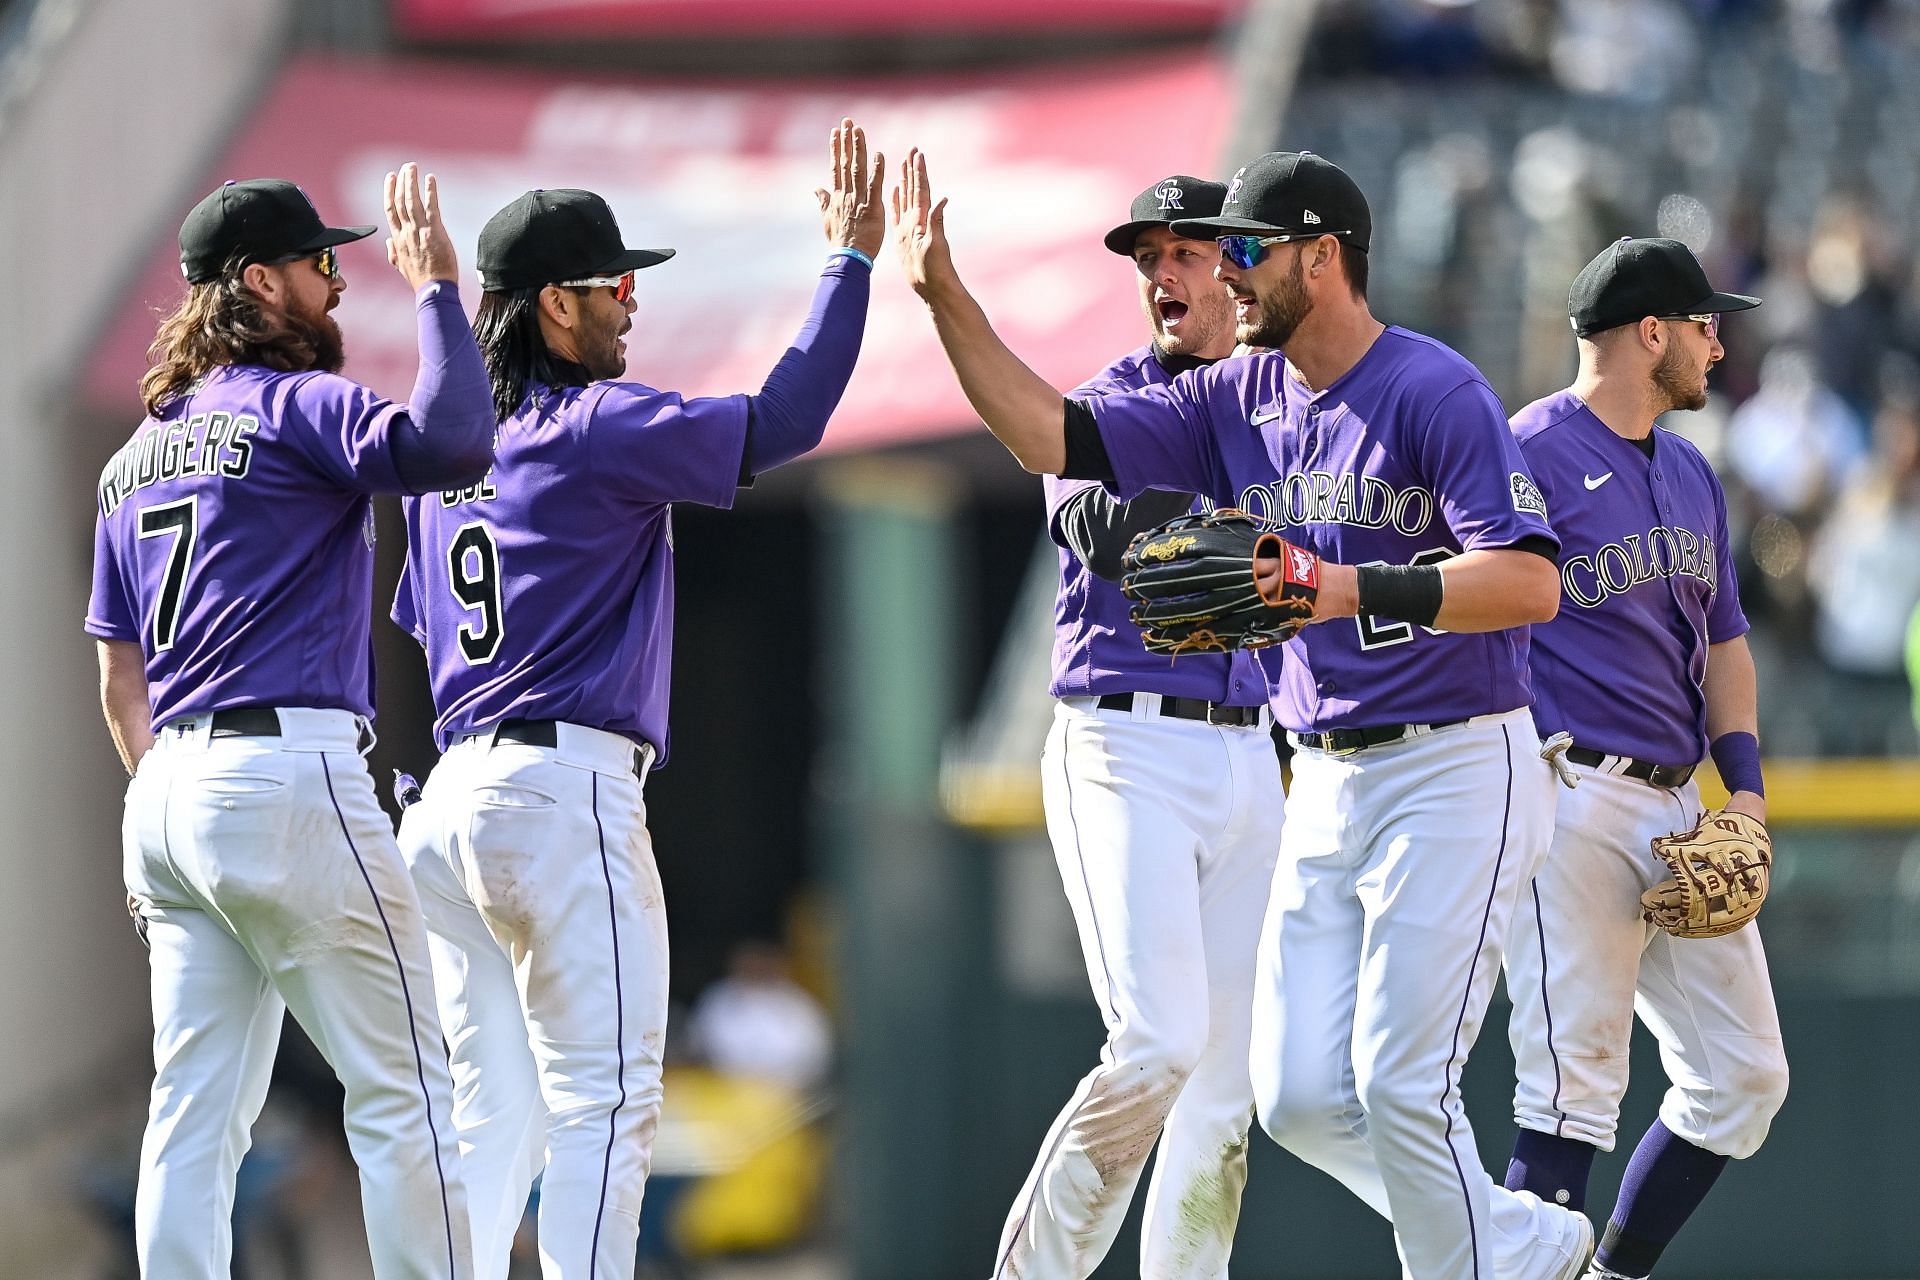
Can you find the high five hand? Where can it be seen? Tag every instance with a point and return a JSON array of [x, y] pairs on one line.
[[852, 213], [920, 227], [418, 245]]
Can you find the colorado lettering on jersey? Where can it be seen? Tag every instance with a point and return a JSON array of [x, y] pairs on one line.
[[1324, 497], [202, 445], [1620, 566]]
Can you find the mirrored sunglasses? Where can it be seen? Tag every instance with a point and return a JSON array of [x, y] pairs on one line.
[[1246, 251], [622, 285]]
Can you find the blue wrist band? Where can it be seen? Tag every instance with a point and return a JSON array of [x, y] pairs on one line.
[[848, 251], [1737, 757]]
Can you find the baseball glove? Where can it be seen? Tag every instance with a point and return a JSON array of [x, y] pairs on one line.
[[1721, 871], [1193, 587]]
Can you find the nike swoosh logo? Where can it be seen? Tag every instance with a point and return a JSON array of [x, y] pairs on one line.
[[1592, 483], [1257, 418]]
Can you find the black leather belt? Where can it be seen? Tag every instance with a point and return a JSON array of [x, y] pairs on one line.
[[1659, 775], [244, 722], [1344, 742], [546, 733], [1190, 709], [529, 733]]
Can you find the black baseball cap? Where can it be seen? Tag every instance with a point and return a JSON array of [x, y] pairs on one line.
[[1634, 278], [545, 237], [259, 220], [1164, 202], [1289, 193]]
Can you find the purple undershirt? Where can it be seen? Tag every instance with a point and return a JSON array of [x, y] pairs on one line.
[[790, 413], [445, 439]]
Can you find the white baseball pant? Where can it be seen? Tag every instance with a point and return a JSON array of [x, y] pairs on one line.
[[1166, 832], [1581, 962], [266, 876], [549, 944], [1400, 868]]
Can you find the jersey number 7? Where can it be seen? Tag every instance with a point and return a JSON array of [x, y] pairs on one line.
[[182, 520]]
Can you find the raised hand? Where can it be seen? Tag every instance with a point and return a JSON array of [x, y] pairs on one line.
[[920, 228], [852, 213], [418, 245]]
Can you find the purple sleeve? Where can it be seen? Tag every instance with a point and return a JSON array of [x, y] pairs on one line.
[[658, 446], [1158, 437], [1726, 620], [1473, 466], [441, 439], [790, 413], [408, 614], [445, 439], [110, 614]]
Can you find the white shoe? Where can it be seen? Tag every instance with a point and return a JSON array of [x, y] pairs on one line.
[[1598, 1272], [1580, 1250]]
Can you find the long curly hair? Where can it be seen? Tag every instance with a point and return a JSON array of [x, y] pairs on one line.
[[224, 322], [507, 327]]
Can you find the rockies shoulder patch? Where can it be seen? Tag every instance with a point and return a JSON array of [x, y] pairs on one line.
[[1527, 495]]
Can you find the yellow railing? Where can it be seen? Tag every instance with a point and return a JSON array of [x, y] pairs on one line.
[[1800, 793]]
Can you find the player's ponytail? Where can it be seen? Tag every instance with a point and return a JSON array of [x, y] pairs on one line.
[[507, 327]]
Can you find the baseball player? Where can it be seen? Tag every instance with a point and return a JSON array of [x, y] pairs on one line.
[[232, 584], [1647, 667], [1420, 806], [544, 599], [1158, 778]]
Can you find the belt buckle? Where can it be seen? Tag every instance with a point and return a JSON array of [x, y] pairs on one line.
[[1359, 745], [1214, 713]]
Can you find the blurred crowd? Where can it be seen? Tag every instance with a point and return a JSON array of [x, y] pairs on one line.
[[1777, 138]]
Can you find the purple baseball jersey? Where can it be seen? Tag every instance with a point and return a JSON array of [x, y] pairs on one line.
[[1406, 458], [1096, 650], [1646, 580], [235, 542], [546, 592]]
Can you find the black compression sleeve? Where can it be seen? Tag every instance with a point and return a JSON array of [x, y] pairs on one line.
[[1086, 452], [1098, 528], [1404, 592]]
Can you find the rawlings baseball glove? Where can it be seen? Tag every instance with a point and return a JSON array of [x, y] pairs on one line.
[[1193, 588], [1721, 871]]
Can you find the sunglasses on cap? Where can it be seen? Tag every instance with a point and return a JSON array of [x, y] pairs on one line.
[[325, 259], [1246, 251], [621, 285], [1710, 322]]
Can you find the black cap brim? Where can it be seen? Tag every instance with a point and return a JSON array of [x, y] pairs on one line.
[[1122, 238], [1214, 228], [1721, 303], [332, 236], [634, 260]]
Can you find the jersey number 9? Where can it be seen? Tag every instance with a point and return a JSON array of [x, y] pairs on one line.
[[473, 574]]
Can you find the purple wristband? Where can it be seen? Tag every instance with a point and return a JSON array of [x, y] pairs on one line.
[[1737, 757]]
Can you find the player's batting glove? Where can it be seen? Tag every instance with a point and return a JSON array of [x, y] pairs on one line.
[[1193, 586], [1721, 871]]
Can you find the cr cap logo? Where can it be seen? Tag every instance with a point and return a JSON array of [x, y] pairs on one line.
[[1168, 548], [1527, 495], [1233, 188], [1169, 195]]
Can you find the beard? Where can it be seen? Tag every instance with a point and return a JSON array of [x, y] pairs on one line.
[[600, 352], [1677, 383], [320, 333], [1281, 312]]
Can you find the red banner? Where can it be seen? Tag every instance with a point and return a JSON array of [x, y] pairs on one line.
[[523, 19], [1038, 166]]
